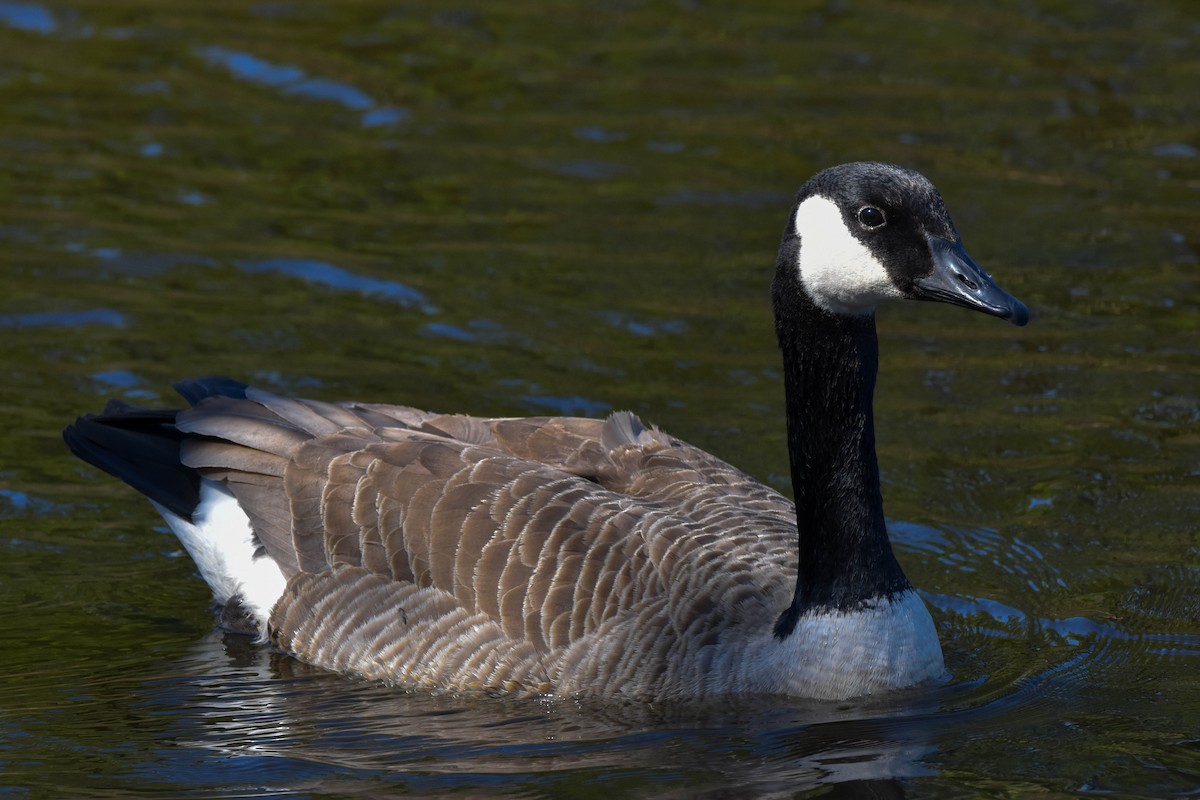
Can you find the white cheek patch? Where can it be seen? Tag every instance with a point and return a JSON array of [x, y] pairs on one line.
[[837, 270]]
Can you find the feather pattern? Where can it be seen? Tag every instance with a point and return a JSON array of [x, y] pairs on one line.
[[548, 554]]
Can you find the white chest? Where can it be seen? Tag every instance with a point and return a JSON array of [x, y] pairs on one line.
[[834, 655]]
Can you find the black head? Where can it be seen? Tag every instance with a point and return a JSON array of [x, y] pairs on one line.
[[868, 232]]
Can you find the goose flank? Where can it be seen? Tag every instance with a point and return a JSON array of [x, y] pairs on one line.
[[577, 556]]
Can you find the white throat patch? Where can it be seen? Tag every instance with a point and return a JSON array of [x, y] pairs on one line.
[[838, 271]]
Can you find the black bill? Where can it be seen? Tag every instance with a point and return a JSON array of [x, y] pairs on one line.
[[958, 280]]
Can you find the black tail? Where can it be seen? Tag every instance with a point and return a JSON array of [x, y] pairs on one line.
[[140, 446]]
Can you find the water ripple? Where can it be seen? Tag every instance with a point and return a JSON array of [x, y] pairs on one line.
[[69, 319], [23, 503], [567, 406], [587, 168], [32, 17], [295, 82], [325, 274], [124, 381], [641, 327], [598, 133]]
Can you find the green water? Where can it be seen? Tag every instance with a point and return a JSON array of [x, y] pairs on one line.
[[522, 208]]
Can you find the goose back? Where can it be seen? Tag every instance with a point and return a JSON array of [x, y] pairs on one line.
[[543, 554]]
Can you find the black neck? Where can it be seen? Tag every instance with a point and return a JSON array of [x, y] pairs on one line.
[[830, 362]]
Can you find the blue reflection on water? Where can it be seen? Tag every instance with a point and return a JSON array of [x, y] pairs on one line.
[[385, 115], [567, 406], [23, 503], [447, 331], [325, 274], [638, 327], [294, 81], [123, 380], [968, 607], [117, 378], [31, 17], [91, 316], [251, 67], [286, 382], [589, 168], [669, 148], [1175, 150], [334, 91], [596, 133], [144, 264], [478, 330]]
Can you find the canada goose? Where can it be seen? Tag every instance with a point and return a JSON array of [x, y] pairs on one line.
[[579, 556]]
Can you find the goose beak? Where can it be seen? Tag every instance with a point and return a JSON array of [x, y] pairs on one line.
[[958, 280]]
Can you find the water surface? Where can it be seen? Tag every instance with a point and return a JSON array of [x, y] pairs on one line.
[[536, 207]]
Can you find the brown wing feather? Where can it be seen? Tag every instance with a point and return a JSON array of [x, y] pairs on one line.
[[526, 553], [351, 620]]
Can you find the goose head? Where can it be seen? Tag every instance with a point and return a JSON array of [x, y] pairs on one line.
[[865, 233]]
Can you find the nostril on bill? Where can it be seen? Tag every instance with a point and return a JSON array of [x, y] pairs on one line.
[[963, 279]]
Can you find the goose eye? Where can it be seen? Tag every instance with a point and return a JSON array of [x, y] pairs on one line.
[[871, 217]]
